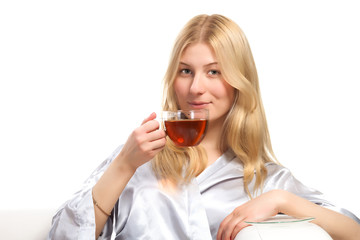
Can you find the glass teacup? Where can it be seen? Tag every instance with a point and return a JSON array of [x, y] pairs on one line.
[[186, 128]]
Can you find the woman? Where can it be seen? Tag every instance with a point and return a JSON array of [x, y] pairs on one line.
[[151, 189]]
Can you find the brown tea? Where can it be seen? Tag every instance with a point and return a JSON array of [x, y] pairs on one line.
[[187, 132]]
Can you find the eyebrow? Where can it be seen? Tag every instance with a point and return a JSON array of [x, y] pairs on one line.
[[213, 63]]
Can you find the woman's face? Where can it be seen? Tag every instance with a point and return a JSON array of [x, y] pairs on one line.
[[199, 83]]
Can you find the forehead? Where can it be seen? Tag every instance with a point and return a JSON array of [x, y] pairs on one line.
[[198, 53]]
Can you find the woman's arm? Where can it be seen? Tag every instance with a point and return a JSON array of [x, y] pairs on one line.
[[142, 145], [80, 218], [107, 191], [336, 224], [273, 202]]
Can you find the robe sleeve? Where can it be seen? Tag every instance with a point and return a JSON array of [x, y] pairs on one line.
[[281, 178], [75, 219]]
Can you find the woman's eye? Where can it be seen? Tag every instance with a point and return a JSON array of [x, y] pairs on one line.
[[214, 72], [185, 71]]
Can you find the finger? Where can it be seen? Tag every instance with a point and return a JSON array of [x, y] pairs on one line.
[[238, 228], [152, 116], [152, 148], [226, 234], [157, 145], [155, 135], [155, 139], [223, 226], [150, 126], [228, 226], [152, 140]]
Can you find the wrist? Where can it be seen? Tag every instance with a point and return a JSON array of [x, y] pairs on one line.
[[123, 166], [291, 204], [283, 199]]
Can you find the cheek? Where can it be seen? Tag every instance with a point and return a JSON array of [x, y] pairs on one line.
[[179, 88], [227, 93], [224, 90], [180, 91], [231, 94]]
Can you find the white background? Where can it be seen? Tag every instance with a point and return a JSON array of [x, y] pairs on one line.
[[78, 76]]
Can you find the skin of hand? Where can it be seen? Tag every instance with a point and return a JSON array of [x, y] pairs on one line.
[[257, 209], [143, 143]]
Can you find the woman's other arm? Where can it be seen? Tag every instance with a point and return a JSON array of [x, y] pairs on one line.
[[336, 224], [270, 203]]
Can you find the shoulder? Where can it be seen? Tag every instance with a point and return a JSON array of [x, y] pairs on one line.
[[279, 177], [276, 169]]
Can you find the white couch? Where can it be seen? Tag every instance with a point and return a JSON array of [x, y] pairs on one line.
[[35, 224], [26, 224]]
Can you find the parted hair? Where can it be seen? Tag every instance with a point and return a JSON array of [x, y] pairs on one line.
[[245, 129]]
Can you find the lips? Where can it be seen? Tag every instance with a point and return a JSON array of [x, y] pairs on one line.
[[198, 104]]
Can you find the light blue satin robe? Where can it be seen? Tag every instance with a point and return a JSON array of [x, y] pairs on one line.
[[147, 210]]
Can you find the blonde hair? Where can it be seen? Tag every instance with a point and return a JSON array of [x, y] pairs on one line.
[[245, 129]]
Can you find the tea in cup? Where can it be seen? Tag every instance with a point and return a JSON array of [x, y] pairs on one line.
[[186, 128]]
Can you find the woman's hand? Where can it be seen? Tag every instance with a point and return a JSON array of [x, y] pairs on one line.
[[143, 143], [257, 209]]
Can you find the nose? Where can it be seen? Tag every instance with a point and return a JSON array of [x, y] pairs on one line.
[[198, 85]]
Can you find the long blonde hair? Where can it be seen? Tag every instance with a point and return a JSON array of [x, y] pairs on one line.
[[245, 129]]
